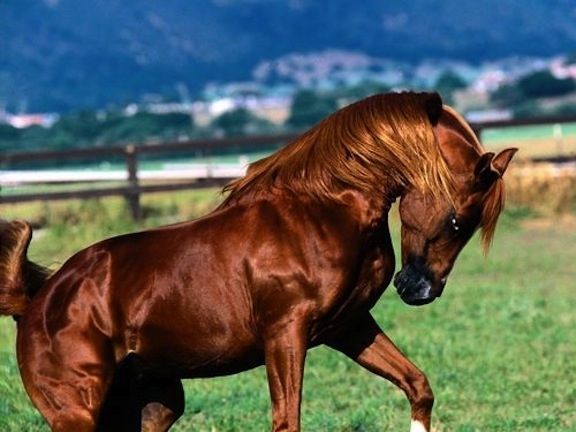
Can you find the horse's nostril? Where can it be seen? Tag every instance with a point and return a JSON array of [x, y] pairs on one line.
[[414, 286]]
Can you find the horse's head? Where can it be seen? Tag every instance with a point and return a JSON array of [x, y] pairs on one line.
[[434, 230]]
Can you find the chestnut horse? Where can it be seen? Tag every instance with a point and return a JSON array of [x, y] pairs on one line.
[[295, 256]]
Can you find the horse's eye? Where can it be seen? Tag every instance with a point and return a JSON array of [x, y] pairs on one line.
[[455, 223]]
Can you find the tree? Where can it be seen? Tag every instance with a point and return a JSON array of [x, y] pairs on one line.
[[240, 121], [84, 126], [507, 95], [9, 137], [309, 108], [447, 83], [544, 84], [116, 128]]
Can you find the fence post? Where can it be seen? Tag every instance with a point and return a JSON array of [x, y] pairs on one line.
[[133, 195]]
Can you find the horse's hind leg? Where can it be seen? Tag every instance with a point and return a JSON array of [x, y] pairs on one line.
[[366, 344], [67, 390], [141, 401]]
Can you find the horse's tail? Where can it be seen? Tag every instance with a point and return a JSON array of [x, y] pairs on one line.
[[19, 277]]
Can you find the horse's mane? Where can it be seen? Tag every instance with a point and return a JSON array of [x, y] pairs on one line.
[[495, 197], [493, 205], [380, 142]]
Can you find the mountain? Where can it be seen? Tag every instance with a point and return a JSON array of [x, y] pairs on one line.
[[67, 54]]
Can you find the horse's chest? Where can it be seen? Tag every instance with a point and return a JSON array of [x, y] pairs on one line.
[[363, 288], [375, 275]]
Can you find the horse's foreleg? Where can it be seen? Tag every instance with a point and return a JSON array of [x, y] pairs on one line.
[[140, 401], [163, 404], [285, 354], [367, 345]]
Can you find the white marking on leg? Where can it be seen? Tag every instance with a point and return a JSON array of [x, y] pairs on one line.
[[417, 426]]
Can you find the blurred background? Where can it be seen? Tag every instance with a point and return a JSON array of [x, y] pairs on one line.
[[122, 115], [107, 71], [105, 74]]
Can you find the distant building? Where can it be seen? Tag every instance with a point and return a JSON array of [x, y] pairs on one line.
[[270, 103], [488, 115], [22, 121], [562, 69]]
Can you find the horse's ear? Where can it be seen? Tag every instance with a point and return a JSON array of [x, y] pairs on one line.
[[433, 106], [491, 167], [502, 159]]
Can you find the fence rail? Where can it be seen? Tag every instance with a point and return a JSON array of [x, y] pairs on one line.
[[133, 187], [135, 183]]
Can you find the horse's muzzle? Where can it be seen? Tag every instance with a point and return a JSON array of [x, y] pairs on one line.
[[415, 286]]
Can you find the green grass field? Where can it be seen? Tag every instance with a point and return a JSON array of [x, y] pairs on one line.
[[499, 347], [534, 141]]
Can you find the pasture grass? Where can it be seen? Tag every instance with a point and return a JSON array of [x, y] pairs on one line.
[[544, 188], [533, 141], [499, 347]]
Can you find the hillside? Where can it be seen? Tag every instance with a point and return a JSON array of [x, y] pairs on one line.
[[64, 54]]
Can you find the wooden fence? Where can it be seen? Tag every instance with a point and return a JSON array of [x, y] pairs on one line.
[[132, 186], [530, 121]]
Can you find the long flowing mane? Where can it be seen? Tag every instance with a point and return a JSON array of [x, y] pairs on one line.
[[383, 141], [496, 196]]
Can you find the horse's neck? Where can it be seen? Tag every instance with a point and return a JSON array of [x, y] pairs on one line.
[[370, 212]]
